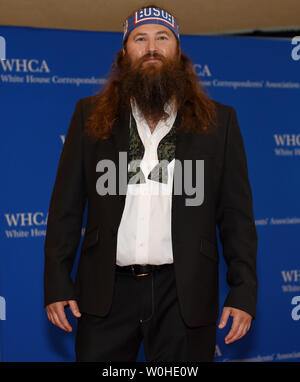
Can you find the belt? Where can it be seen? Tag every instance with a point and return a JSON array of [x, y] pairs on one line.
[[141, 270]]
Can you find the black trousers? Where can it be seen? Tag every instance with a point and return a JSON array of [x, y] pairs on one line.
[[144, 308]]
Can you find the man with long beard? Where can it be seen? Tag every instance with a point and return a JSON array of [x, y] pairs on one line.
[[148, 268]]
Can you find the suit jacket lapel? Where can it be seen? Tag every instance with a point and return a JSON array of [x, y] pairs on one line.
[[120, 133]]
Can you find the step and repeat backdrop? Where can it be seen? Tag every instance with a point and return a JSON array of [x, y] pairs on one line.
[[45, 73]]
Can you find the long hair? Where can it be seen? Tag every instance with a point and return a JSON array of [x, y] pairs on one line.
[[198, 111]]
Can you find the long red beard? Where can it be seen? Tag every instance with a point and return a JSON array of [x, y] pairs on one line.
[[152, 85]]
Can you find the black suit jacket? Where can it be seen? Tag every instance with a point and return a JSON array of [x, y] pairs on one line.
[[227, 206]]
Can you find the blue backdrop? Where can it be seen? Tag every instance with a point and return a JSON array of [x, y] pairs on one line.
[[45, 73]]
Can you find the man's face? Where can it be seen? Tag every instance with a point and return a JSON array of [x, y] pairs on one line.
[[152, 41]]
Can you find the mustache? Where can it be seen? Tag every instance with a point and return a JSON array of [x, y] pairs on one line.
[[153, 55], [150, 55]]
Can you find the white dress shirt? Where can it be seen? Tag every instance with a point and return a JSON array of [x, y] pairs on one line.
[[144, 234]]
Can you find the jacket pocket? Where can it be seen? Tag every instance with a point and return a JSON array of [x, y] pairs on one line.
[[209, 249], [90, 239]]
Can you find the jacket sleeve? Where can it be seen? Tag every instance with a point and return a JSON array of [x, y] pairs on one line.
[[235, 220], [65, 215]]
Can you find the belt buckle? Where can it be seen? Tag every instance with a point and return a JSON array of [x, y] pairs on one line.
[[138, 274]]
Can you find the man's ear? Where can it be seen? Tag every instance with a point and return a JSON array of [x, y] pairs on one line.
[[124, 52]]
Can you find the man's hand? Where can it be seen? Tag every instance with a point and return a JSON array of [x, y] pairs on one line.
[[240, 325], [56, 313]]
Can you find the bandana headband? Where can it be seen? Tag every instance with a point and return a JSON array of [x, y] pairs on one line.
[[150, 16]]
